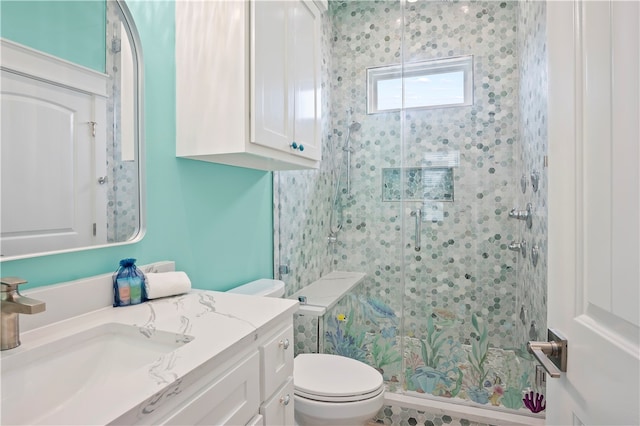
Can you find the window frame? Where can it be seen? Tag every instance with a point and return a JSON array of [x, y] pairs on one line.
[[420, 69]]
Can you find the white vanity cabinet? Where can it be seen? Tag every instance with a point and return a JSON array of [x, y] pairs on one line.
[[248, 84], [203, 357], [254, 386]]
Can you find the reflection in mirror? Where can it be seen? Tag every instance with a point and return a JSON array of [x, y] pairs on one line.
[[71, 141]]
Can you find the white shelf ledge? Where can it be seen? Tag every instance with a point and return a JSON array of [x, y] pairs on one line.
[[323, 294]]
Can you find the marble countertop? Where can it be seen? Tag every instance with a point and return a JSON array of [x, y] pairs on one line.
[[215, 326]]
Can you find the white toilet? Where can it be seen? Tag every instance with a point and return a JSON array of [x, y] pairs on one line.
[[328, 389]]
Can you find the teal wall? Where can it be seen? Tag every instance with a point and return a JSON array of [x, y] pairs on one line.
[[72, 30], [215, 221]]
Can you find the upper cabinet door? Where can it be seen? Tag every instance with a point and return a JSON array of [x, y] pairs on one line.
[[305, 68], [273, 86], [286, 76]]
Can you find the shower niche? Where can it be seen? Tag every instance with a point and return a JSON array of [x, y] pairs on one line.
[[420, 184]]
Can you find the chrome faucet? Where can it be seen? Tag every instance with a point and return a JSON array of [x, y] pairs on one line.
[[13, 303]]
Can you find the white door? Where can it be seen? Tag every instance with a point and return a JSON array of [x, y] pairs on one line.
[[594, 205], [48, 188]]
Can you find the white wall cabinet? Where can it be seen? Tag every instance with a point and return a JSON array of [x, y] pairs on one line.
[[248, 84]]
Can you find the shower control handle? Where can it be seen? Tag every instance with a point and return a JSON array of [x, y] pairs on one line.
[[521, 247], [526, 215]]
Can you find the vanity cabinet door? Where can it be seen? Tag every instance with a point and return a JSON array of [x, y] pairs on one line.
[[279, 410], [277, 361], [231, 400]]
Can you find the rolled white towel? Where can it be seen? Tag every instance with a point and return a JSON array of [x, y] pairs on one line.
[[165, 284]]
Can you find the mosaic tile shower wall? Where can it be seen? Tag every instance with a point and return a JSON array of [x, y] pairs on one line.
[[532, 280]]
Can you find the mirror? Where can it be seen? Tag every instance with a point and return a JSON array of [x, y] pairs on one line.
[[72, 130]]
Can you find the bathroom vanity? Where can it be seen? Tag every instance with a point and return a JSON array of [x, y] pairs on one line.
[[199, 358]]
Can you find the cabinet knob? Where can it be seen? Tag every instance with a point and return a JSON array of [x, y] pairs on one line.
[[284, 343], [297, 146], [285, 400]]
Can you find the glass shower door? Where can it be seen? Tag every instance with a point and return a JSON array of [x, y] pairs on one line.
[[458, 171]]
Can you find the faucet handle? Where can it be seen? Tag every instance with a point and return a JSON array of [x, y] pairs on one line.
[[11, 282]]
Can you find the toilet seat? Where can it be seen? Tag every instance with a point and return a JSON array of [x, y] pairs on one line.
[[348, 398], [334, 378]]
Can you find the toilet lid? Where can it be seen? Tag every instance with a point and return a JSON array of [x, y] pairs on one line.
[[332, 377]]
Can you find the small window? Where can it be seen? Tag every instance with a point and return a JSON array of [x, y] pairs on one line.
[[427, 84]]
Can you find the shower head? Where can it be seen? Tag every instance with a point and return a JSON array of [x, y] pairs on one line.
[[353, 127]]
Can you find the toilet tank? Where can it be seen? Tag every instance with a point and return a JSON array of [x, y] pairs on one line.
[[263, 287]]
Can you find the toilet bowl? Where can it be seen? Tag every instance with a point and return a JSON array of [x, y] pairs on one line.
[[335, 390], [328, 389]]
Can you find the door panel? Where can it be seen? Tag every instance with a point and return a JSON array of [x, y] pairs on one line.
[[594, 205]]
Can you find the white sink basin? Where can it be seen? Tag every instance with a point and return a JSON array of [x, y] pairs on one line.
[[40, 381]]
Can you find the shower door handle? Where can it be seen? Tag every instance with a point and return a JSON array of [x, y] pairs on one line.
[[418, 215]]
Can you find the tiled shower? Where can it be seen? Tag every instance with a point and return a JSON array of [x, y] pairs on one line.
[[448, 317]]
